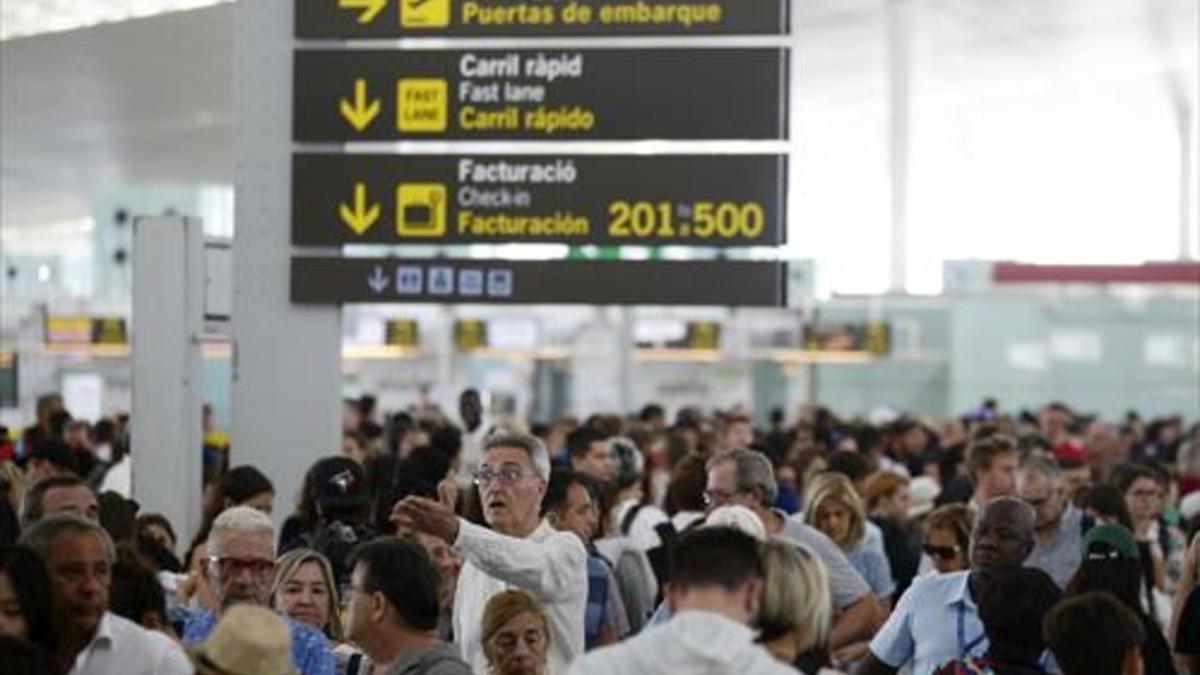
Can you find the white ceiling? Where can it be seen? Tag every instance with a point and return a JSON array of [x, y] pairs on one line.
[[20, 18], [149, 100], [90, 110]]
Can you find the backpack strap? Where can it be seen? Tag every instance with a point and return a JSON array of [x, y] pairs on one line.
[[630, 516]]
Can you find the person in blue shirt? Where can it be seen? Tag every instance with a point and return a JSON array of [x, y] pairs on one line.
[[937, 619], [240, 568]]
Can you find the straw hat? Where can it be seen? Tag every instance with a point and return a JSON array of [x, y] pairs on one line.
[[249, 640]]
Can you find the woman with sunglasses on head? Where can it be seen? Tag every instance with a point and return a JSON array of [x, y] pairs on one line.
[[947, 538]]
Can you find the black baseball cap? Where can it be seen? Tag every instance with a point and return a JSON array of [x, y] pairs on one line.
[[340, 481]]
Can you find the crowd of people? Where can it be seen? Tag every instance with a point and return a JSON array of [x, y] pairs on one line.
[[456, 543]]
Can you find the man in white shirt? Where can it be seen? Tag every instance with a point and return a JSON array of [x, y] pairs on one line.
[[937, 619], [714, 594], [519, 551], [79, 556]]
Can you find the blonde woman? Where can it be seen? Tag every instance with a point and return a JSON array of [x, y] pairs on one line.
[[304, 589], [515, 635], [796, 609], [834, 507]]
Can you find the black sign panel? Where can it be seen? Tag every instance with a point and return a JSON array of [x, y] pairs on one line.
[[332, 280], [501, 18], [541, 94], [703, 200]]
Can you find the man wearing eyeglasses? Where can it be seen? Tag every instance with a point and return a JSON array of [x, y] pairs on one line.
[[240, 568], [1060, 526], [519, 551], [746, 478]]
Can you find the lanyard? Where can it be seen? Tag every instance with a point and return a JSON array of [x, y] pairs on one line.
[[965, 648]]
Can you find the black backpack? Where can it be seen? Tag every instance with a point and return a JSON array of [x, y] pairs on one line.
[[336, 541]]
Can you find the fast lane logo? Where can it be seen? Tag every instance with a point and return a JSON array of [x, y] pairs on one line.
[[424, 13]]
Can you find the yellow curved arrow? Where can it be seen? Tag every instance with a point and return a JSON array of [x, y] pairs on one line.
[[370, 8], [361, 112], [359, 217]]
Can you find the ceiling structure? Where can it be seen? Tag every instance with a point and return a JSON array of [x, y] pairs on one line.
[[149, 100]]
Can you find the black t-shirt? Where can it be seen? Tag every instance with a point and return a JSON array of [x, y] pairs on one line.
[[1187, 640], [903, 558]]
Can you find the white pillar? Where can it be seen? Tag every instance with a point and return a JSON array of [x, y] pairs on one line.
[[287, 363], [899, 81], [168, 319]]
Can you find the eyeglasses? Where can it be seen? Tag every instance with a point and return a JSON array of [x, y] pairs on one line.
[[230, 567], [941, 552], [508, 475]]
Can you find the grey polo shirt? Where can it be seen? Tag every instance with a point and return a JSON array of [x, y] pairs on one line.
[[1059, 556]]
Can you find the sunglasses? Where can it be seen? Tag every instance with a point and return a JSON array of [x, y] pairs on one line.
[[942, 552]]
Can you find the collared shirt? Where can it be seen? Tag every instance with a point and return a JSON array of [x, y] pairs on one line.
[[550, 564], [121, 647], [1060, 556], [846, 585], [691, 643], [935, 621], [311, 651], [440, 659]]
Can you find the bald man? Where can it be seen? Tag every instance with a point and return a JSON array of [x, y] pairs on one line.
[[937, 619]]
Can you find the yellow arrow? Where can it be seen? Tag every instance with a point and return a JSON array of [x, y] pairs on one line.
[[361, 112], [360, 217], [370, 8]]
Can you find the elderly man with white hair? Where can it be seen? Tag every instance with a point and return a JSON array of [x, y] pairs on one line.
[[520, 550], [240, 566]]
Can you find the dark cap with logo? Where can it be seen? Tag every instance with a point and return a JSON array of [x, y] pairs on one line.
[[1109, 542], [340, 481]]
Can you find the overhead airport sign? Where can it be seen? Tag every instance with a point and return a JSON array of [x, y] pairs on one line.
[[85, 331], [341, 19], [527, 94], [872, 337], [402, 333], [334, 280], [702, 200]]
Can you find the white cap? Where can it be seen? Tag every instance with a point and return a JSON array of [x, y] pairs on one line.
[[739, 518], [1189, 506], [922, 492]]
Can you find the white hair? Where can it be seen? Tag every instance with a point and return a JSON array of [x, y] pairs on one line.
[[240, 520], [532, 445]]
